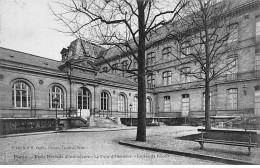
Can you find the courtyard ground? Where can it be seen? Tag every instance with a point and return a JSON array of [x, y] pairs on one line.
[[165, 139], [89, 146]]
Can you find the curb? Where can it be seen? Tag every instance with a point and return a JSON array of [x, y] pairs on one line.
[[25, 134], [204, 157], [50, 132]]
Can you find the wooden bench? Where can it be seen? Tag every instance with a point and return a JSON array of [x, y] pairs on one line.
[[227, 137]]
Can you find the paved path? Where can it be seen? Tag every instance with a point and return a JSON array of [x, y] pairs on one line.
[[85, 148]]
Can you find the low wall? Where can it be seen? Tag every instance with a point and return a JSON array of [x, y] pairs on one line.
[[25, 125]]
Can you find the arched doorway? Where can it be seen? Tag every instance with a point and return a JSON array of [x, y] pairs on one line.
[[83, 102]]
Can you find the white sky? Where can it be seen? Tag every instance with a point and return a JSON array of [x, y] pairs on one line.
[[28, 26]]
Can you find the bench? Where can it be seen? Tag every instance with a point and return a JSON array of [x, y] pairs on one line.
[[227, 137]]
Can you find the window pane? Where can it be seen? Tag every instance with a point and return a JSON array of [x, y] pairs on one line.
[[24, 102]]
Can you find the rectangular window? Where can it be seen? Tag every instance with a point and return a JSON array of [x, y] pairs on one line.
[[257, 63], [257, 102], [232, 69], [203, 101], [166, 54], [150, 58], [232, 99], [150, 81], [114, 68], [233, 36], [167, 78], [185, 75], [185, 105], [258, 28], [167, 103], [185, 50], [135, 66], [124, 67]]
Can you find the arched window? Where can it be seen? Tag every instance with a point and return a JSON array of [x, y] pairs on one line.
[[21, 95], [121, 103], [148, 105], [83, 99], [104, 101], [135, 104], [56, 92]]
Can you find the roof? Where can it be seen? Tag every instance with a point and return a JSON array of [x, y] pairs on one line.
[[28, 59], [115, 78]]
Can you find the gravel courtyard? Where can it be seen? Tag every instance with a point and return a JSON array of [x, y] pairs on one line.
[[86, 148]]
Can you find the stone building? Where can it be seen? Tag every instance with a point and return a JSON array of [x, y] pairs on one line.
[[176, 94], [84, 86]]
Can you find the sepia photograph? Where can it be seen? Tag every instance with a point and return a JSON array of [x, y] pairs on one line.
[[130, 82]]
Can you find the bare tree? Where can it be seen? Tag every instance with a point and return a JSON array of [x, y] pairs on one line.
[[207, 40], [123, 27]]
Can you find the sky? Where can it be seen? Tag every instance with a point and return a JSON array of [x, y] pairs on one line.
[[29, 26]]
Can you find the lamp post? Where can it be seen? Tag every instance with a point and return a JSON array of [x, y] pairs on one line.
[[130, 114], [56, 100]]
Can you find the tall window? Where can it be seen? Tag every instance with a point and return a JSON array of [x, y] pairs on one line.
[[21, 95], [150, 81], [258, 28], [203, 101], [232, 98], [83, 99], [167, 103], [114, 68], [124, 67], [185, 50], [232, 69], [148, 105], [150, 58], [185, 75], [135, 104], [185, 104], [104, 101], [167, 78], [135, 66], [257, 62], [233, 36], [166, 53], [257, 102], [56, 92], [121, 103]]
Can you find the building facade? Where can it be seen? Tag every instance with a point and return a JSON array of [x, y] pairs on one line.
[[29, 84], [83, 86], [177, 94]]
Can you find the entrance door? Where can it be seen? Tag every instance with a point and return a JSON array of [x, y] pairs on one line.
[[83, 103], [185, 105]]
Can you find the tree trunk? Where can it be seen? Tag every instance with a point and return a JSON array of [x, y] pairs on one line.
[[207, 109], [141, 125]]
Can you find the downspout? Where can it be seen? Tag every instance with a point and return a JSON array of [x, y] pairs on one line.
[[69, 76]]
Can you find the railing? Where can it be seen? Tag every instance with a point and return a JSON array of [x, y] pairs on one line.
[[150, 85], [33, 113]]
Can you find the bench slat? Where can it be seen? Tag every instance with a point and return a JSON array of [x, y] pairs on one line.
[[226, 143], [227, 131], [237, 142]]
